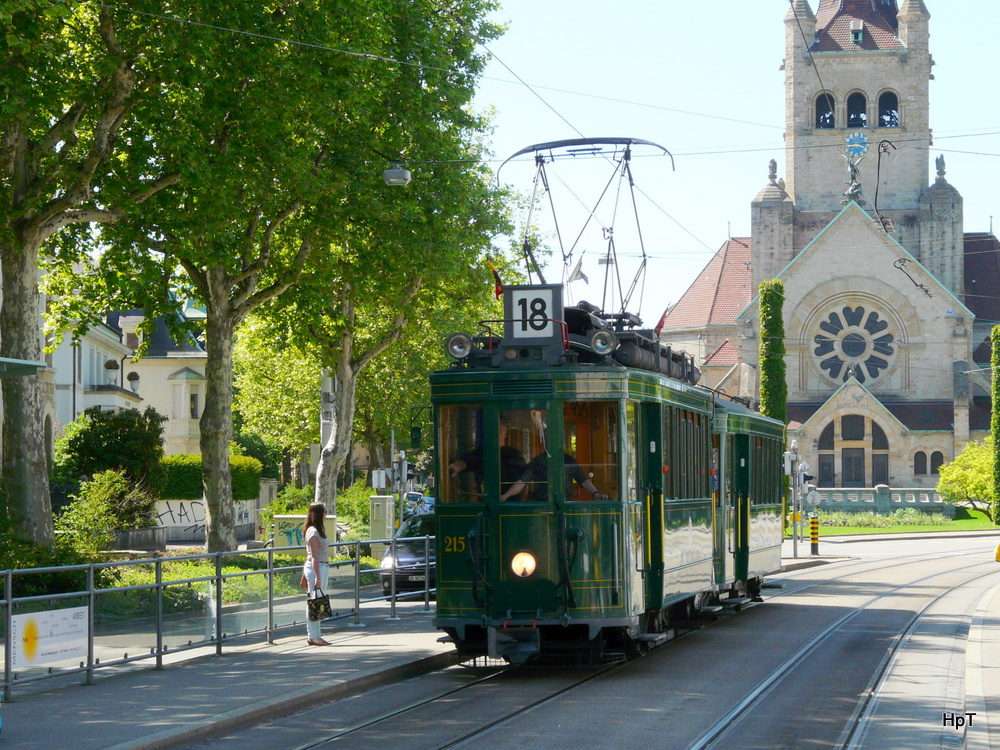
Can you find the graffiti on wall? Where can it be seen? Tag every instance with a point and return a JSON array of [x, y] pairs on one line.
[[185, 519], [186, 515]]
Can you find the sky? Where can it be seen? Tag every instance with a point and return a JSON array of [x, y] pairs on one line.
[[702, 80]]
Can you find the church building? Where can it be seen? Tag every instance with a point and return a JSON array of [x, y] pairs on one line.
[[888, 302]]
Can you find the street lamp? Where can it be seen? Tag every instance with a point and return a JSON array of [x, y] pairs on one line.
[[396, 175]]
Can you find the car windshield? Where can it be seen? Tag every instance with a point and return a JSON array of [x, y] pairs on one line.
[[417, 527]]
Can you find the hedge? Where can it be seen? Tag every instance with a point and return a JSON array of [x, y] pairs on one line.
[[184, 477]]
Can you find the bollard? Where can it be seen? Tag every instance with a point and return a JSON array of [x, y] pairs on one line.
[[814, 532], [998, 553]]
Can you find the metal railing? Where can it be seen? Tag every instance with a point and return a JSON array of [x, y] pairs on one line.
[[883, 499], [114, 613]]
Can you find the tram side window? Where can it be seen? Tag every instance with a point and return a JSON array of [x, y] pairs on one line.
[[666, 438], [462, 453], [590, 447], [632, 446]]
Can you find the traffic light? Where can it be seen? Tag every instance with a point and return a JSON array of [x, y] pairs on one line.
[[415, 437]]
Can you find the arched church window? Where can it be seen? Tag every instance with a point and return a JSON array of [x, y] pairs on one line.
[[857, 110], [888, 110], [824, 111], [879, 441], [826, 438], [920, 463], [852, 427], [937, 459]]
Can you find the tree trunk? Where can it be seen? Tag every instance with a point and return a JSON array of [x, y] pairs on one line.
[[217, 420], [25, 459], [334, 452]]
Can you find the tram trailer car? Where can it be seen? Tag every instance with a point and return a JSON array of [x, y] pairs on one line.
[[591, 495]]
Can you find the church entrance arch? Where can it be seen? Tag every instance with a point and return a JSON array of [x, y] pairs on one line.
[[853, 452]]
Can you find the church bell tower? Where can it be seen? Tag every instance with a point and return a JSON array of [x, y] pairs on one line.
[[857, 78]]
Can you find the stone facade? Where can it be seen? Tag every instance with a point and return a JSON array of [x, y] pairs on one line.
[[882, 384]]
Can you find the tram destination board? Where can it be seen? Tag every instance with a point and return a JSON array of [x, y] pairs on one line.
[[531, 313]]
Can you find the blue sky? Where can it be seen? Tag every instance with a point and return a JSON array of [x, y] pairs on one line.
[[701, 79]]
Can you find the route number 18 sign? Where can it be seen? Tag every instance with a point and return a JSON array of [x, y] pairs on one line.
[[533, 313]]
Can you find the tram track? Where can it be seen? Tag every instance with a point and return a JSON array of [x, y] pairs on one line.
[[722, 732], [383, 724]]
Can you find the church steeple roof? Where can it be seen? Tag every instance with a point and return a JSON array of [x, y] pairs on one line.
[[913, 8], [799, 9], [851, 25]]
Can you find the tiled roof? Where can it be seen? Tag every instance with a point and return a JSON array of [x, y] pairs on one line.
[[161, 342], [720, 292], [725, 356], [836, 19], [982, 276]]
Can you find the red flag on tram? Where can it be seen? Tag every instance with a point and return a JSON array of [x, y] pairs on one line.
[[497, 281]]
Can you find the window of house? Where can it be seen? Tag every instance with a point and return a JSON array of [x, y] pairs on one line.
[[852, 427], [857, 111], [826, 438], [937, 459], [879, 441], [920, 463], [880, 468], [888, 110], [826, 475], [853, 466], [824, 111]]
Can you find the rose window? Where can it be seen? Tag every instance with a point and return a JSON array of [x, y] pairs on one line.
[[854, 341]]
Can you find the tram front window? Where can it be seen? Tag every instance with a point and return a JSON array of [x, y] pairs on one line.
[[590, 443], [461, 444]]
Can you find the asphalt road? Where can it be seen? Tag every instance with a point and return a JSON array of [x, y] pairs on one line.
[[868, 651]]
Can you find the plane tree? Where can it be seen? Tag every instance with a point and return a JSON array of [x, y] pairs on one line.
[[67, 92], [279, 134]]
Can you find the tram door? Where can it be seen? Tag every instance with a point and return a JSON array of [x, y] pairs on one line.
[[637, 486], [724, 515], [651, 449], [741, 502]]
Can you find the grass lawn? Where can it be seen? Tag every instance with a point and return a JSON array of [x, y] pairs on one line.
[[966, 519]]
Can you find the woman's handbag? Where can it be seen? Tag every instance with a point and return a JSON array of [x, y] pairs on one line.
[[319, 605]]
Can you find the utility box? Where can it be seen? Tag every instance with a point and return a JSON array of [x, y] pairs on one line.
[[383, 521]]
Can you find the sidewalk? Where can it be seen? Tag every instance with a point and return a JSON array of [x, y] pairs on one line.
[[200, 695], [197, 697]]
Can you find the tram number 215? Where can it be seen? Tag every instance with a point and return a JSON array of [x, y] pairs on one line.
[[454, 544]]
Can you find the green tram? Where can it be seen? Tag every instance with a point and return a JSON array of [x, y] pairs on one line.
[[590, 494]]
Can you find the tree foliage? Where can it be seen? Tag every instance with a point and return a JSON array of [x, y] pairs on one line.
[[277, 387], [127, 440], [274, 149], [106, 503], [969, 478], [773, 387]]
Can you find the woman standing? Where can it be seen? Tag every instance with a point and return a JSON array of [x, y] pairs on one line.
[[317, 566]]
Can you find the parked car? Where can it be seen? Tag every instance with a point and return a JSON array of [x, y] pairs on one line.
[[409, 567], [416, 503]]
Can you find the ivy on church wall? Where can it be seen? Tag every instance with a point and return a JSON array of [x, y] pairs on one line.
[[995, 420], [773, 387]]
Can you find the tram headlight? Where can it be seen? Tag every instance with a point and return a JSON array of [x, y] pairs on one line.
[[459, 345], [603, 342], [523, 564]]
